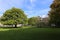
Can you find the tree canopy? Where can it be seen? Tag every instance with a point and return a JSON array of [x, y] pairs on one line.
[[34, 21], [54, 13], [14, 16]]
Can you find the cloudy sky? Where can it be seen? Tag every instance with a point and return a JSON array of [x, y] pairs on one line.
[[30, 7]]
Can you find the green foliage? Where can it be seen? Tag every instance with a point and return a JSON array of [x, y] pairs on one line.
[[14, 16], [34, 21], [54, 13]]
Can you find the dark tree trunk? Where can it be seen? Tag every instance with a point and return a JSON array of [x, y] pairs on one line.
[[15, 25]]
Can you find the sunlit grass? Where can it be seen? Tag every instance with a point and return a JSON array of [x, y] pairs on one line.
[[7, 29], [1, 29], [24, 27], [29, 33]]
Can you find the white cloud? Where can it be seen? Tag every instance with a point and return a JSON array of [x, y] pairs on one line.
[[32, 4], [43, 16], [6, 4], [24, 4], [42, 13], [32, 1]]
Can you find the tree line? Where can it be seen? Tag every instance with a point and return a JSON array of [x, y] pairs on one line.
[[15, 16]]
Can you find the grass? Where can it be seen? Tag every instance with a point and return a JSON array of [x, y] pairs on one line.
[[26, 33]]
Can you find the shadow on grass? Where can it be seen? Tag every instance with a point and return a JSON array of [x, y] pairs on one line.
[[30, 34]]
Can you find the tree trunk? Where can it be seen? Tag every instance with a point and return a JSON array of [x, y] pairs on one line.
[[15, 25]]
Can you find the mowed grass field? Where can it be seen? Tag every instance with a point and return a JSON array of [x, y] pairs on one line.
[[29, 33]]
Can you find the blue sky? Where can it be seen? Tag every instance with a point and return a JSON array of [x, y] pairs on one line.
[[30, 7]]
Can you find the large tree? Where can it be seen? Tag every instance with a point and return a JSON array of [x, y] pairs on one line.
[[54, 13], [14, 16]]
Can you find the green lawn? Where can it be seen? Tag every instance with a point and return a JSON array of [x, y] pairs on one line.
[[29, 33]]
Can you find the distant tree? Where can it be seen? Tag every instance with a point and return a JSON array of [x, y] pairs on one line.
[[14, 16], [54, 13], [34, 21]]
